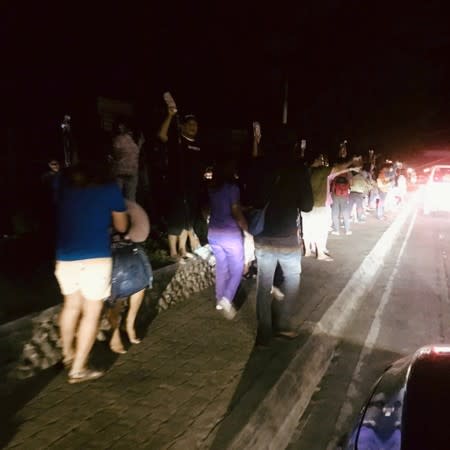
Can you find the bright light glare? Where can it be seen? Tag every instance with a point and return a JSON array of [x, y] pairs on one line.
[[439, 196], [438, 349], [441, 349]]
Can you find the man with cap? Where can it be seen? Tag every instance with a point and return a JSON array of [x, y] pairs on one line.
[[186, 169]]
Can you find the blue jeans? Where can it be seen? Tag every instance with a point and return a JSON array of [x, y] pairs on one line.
[[380, 204], [340, 206], [228, 249], [289, 260], [357, 198]]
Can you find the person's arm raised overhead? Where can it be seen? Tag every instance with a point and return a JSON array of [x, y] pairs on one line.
[[163, 133]]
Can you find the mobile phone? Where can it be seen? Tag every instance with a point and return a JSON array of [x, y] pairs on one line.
[[256, 129], [170, 102]]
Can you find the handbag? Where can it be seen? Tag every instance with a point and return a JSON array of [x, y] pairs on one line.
[[257, 217], [131, 270], [256, 220]]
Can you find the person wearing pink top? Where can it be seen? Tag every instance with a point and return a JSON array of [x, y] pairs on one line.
[[125, 161]]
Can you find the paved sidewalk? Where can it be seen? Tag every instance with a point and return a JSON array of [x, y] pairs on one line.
[[192, 383]]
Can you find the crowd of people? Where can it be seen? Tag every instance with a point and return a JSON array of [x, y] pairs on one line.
[[261, 217]]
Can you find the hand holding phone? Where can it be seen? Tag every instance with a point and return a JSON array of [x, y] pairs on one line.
[[170, 102], [257, 131]]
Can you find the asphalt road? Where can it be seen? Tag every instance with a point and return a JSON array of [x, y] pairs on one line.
[[407, 308]]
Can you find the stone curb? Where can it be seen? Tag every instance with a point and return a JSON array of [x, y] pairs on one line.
[[273, 422], [31, 343], [15, 325]]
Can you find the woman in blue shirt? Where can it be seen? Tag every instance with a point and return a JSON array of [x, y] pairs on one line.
[[87, 207]]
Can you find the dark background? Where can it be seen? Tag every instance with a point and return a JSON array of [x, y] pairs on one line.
[[374, 73]]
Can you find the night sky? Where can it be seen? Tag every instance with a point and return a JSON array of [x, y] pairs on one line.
[[375, 73]]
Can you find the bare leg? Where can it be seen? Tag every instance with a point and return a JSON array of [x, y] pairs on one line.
[[193, 240], [135, 304], [87, 331], [309, 246], [182, 242], [68, 322], [173, 245], [115, 344]]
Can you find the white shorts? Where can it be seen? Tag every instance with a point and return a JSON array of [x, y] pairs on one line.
[[92, 277]]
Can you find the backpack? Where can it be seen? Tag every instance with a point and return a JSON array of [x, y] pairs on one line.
[[341, 186]]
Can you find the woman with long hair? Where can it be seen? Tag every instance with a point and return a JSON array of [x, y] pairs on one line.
[[88, 205]]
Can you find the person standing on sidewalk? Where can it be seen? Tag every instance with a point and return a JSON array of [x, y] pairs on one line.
[[258, 165], [186, 170], [138, 233], [125, 160], [340, 188], [316, 223], [51, 180], [87, 206], [289, 189], [227, 227], [359, 189]]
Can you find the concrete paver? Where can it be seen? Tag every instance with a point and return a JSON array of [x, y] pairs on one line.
[[183, 385], [180, 377]]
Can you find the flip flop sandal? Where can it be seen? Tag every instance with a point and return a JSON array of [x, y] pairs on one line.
[[84, 375]]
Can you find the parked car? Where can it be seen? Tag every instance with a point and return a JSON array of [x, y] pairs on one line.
[[408, 408], [437, 190]]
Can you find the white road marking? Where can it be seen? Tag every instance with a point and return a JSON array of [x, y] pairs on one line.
[[374, 332]]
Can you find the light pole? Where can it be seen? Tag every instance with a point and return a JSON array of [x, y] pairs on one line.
[[285, 102]]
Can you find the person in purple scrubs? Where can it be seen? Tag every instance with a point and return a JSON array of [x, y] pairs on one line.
[[227, 226]]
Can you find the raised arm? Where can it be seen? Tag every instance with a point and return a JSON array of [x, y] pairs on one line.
[[163, 133], [339, 169], [256, 139]]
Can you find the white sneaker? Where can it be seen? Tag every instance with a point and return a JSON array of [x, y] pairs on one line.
[[277, 294], [325, 257], [219, 307], [227, 308], [348, 233], [335, 233]]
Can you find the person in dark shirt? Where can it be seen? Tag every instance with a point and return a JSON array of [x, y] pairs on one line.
[[253, 169], [51, 179], [186, 170], [287, 187]]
